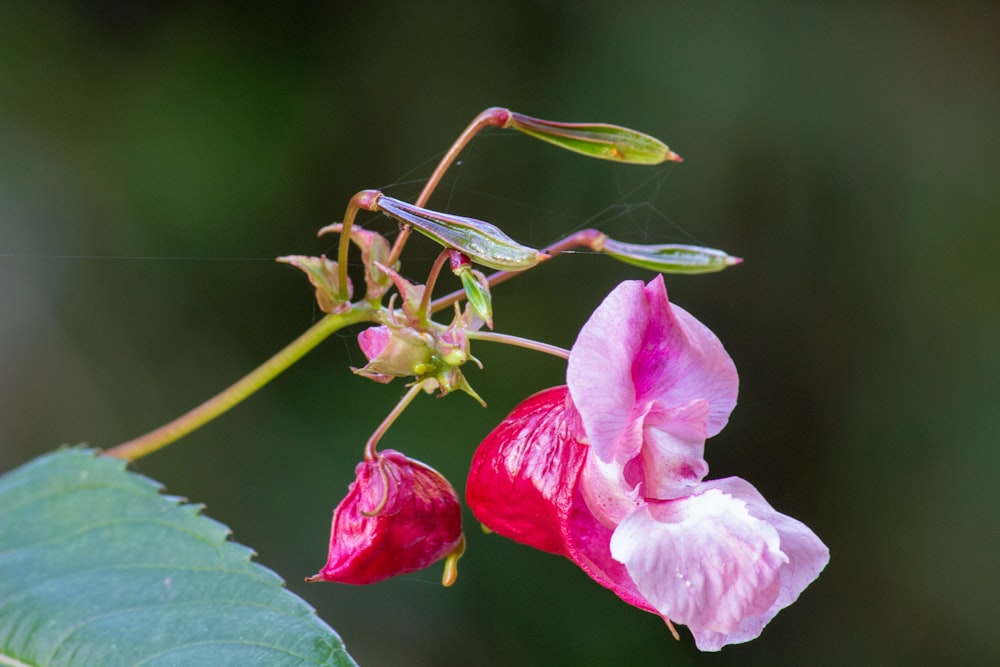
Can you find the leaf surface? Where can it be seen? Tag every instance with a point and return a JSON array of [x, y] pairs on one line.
[[97, 567]]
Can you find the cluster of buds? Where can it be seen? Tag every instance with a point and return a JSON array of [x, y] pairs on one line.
[[617, 452], [410, 344]]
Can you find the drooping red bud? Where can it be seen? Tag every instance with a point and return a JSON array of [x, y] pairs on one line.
[[399, 516]]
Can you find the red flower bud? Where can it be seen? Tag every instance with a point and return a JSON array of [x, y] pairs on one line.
[[399, 516]]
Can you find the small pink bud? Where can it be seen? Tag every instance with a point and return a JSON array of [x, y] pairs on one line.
[[393, 352], [399, 516]]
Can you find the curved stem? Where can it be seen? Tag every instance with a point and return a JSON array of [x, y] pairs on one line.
[[241, 389], [492, 117], [367, 200], [587, 238], [370, 453], [431, 280], [517, 341]]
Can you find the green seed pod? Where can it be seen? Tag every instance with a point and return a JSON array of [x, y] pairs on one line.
[[668, 258], [600, 140], [482, 242]]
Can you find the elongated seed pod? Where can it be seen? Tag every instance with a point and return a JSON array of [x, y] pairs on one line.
[[481, 241]]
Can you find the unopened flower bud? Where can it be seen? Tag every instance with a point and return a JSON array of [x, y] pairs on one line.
[[477, 288], [453, 346], [399, 516], [394, 352]]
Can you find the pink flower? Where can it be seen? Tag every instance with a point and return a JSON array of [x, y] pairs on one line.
[[608, 472], [399, 516]]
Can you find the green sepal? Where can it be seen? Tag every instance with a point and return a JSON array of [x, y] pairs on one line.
[[668, 258], [322, 273], [451, 379], [483, 242], [375, 250], [600, 140]]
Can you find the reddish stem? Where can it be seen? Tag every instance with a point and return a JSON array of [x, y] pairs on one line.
[[365, 200], [432, 277], [371, 454], [587, 238], [492, 117]]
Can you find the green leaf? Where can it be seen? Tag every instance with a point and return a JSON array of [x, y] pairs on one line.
[[98, 568]]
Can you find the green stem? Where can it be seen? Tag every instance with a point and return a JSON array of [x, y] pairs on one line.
[[237, 392], [517, 341]]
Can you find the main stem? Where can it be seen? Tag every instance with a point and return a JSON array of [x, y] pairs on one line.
[[237, 392]]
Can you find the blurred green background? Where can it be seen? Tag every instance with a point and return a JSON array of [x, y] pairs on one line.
[[155, 158]]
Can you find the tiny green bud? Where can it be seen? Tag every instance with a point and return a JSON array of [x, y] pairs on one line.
[[478, 295], [477, 290], [600, 140], [667, 258], [484, 243]]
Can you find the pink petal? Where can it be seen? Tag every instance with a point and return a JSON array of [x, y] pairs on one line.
[[587, 545], [683, 360], [807, 556], [606, 492], [673, 446], [373, 340], [673, 467], [722, 562], [702, 561], [599, 373], [637, 349], [523, 474], [523, 485]]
